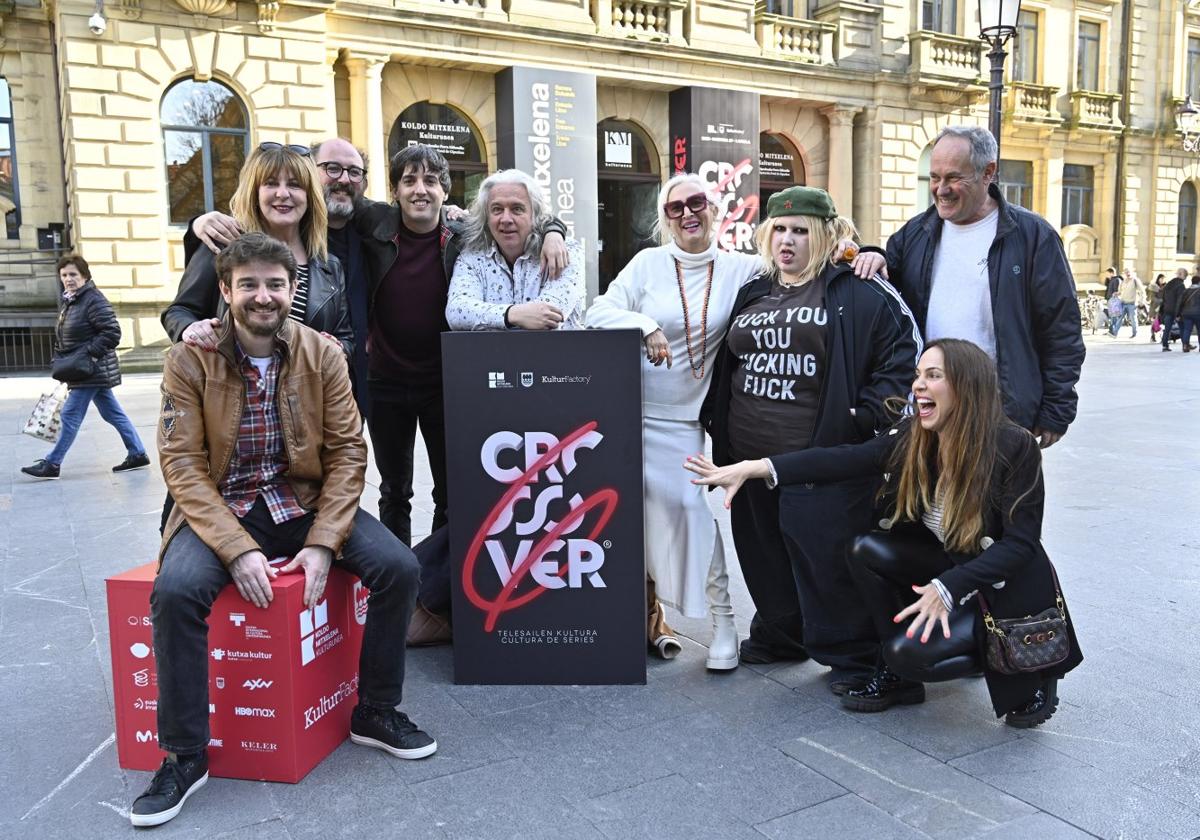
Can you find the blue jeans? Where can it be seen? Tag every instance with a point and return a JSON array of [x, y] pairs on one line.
[[73, 412], [1128, 310], [191, 577], [1185, 332]]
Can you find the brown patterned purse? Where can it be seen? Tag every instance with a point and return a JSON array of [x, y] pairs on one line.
[[1032, 643]]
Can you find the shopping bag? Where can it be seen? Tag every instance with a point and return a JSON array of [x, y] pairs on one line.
[[45, 421]]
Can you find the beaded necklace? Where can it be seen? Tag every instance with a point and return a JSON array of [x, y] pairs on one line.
[[697, 371]]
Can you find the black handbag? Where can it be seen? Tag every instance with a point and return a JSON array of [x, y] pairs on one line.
[[1033, 643], [73, 366]]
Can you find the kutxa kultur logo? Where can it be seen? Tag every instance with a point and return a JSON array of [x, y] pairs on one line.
[[530, 550]]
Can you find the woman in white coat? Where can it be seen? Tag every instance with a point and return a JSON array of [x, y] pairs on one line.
[[680, 295]]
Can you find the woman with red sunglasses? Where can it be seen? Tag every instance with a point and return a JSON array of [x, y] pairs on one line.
[[679, 295]]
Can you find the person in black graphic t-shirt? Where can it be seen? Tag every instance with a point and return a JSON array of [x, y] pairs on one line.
[[811, 354]]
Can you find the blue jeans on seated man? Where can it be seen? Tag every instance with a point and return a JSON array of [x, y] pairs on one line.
[[191, 577], [75, 409]]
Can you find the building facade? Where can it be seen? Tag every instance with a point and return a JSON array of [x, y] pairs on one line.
[[113, 136]]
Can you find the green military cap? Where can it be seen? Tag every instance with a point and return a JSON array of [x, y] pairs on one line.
[[801, 201]]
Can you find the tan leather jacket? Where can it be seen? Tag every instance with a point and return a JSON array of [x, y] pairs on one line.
[[203, 395]]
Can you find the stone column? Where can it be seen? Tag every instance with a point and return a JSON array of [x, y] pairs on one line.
[[841, 156], [366, 117]]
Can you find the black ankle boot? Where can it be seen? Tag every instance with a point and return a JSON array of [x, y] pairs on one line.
[[884, 690], [1038, 710]]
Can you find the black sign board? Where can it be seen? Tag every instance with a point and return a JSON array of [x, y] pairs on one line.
[[544, 461], [714, 133], [438, 126], [546, 126]]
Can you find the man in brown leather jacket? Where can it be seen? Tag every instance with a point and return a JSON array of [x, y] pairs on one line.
[[260, 444]]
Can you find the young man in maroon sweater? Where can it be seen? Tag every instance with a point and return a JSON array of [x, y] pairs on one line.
[[410, 250]]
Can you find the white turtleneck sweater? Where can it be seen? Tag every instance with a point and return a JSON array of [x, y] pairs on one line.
[[645, 296]]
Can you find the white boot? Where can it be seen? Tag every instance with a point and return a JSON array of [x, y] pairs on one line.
[[723, 651]]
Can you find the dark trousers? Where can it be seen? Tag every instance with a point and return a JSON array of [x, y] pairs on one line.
[[395, 414], [792, 546], [191, 577], [1190, 322], [1167, 322], [885, 566]]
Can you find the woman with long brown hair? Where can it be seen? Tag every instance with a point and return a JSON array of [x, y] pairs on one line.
[[279, 193], [962, 515]]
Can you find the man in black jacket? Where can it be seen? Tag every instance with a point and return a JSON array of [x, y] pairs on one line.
[[1168, 309], [975, 267]]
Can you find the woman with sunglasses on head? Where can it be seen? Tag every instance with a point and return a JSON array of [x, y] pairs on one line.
[[962, 508], [810, 356], [278, 194], [679, 295]]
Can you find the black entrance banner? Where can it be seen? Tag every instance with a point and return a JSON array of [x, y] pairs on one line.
[[714, 133], [544, 462]]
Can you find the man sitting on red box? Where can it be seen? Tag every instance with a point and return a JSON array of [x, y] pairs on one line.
[[260, 444]]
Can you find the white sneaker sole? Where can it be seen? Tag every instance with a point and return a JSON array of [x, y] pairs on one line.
[[721, 664], [419, 752], [147, 820]]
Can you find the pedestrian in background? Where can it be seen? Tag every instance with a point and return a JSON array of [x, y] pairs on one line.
[[86, 320], [1154, 295], [1131, 290], [1168, 309], [1189, 313]]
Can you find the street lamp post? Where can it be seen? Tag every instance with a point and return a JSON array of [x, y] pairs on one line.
[[997, 23], [1188, 120]]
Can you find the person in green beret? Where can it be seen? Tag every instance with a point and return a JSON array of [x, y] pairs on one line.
[[810, 356]]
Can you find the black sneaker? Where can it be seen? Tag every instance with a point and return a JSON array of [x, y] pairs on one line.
[[390, 731], [754, 652], [839, 684], [1038, 710], [883, 691], [133, 462], [42, 469], [169, 789]]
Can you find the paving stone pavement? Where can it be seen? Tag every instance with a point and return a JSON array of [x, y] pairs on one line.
[[759, 752]]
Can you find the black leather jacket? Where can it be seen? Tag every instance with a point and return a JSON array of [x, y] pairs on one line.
[[199, 297], [89, 319]]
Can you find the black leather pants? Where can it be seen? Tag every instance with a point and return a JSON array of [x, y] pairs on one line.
[[885, 566]]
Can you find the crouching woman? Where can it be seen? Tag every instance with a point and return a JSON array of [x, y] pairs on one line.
[[962, 509]]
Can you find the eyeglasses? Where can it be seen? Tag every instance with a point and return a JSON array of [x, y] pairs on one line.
[[291, 147], [335, 170], [696, 203]]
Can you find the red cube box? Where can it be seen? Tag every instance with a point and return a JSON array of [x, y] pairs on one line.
[[282, 681]]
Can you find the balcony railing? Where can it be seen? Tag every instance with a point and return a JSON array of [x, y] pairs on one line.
[[649, 20], [1090, 109], [1033, 103], [938, 56], [806, 41]]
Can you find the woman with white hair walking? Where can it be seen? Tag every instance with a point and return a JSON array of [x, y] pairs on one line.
[[680, 296]]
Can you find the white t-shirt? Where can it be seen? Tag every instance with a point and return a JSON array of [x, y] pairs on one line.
[[960, 302], [262, 363]]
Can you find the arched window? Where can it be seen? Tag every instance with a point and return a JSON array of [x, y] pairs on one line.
[[1185, 235], [206, 140], [446, 129], [10, 200], [779, 167], [924, 199]]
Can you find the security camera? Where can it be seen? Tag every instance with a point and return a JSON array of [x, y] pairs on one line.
[[97, 24]]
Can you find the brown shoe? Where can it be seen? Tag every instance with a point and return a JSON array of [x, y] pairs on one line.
[[428, 628]]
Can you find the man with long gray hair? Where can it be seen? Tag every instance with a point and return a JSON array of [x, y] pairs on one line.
[[975, 267], [497, 283]]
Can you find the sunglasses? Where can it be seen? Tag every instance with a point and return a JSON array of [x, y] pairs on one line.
[[696, 203], [291, 147]]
